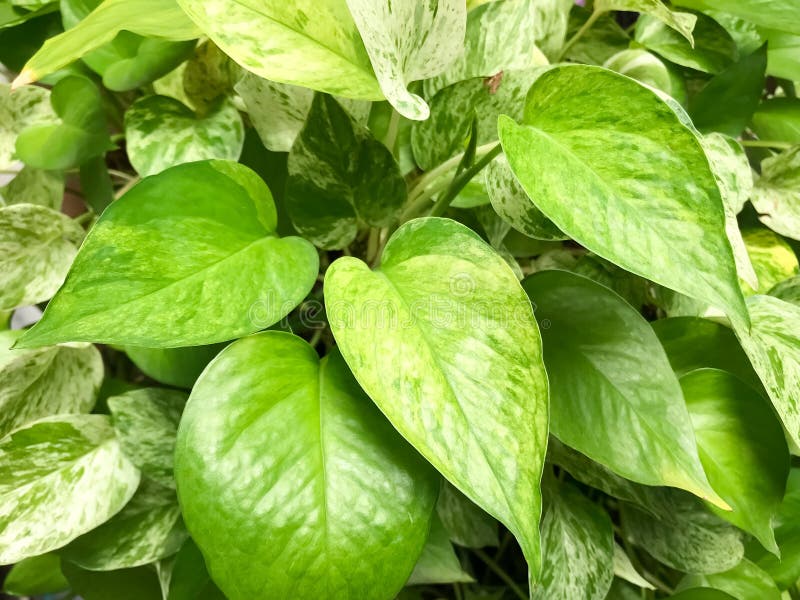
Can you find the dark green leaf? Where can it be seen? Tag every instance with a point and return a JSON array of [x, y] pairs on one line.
[[35, 576], [140, 583], [438, 562], [174, 366], [466, 523]]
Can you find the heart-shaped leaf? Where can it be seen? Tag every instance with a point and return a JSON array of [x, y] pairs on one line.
[[291, 460], [406, 41], [340, 175], [47, 470], [582, 151], [443, 339], [162, 132], [126, 286], [606, 365]]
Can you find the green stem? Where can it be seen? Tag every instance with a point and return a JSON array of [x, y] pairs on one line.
[[579, 34], [391, 131], [766, 144], [443, 169], [463, 179], [498, 570], [121, 191]]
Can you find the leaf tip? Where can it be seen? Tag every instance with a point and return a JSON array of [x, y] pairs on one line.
[[27, 76]]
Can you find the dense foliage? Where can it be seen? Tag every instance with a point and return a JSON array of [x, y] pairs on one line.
[[375, 299]]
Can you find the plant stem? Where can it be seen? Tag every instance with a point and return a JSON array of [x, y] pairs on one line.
[[121, 191], [121, 174], [457, 591], [315, 338], [372, 244], [463, 179], [578, 34], [766, 144], [391, 131], [442, 169], [498, 570]]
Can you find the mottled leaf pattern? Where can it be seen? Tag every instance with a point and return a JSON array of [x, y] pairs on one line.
[[34, 186], [59, 477], [162, 132], [37, 247], [26, 106], [777, 193], [683, 23], [288, 463], [424, 334]]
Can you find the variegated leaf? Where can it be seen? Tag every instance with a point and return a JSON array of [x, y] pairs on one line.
[[34, 186], [279, 110], [312, 43], [37, 247], [162, 132], [681, 22], [777, 193], [339, 176], [146, 421], [148, 529], [48, 381], [443, 339], [650, 70], [772, 258], [624, 569], [60, 477], [408, 40], [26, 106], [488, 47]]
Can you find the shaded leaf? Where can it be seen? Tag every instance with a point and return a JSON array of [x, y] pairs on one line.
[[173, 366], [777, 193], [438, 562], [465, 522], [34, 576]]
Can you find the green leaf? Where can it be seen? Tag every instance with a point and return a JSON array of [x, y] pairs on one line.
[[702, 593], [189, 579], [466, 523], [510, 201], [727, 102], [279, 111], [46, 381], [290, 460], [443, 339], [340, 176], [578, 548], [47, 471], [605, 364], [25, 107], [713, 51], [742, 448], [161, 132], [624, 569], [179, 367], [79, 135], [407, 41], [684, 534], [681, 22], [780, 14], [773, 345], [209, 76], [438, 562], [279, 41], [488, 49], [149, 528], [157, 18], [788, 290], [146, 421], [35, 576], [777, 193], [34, 186], [650, 70], [601, 41], [784, 60], [778, 119], [37, 247], [581, 152], [126, 286], [745, 580], [140, 583], [772, 258], [693, 343]]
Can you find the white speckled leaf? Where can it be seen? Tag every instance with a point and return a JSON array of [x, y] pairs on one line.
[[312, 43], [37, 247], [28, 105], [283, 462], [650, 70], [681, 22], [47, 381], [148, 529], [595, 143], [279, 110], [161, 132], [777, 193], [466, 523], [146, 422], [488, 47], [156, 18], [408, 40], [606, 365], [735, 181], [438, 562], [577, 545], [185, 272], [59, 478], [443, 339], [340, 176], [773, 345], [34, 186], [511, 202]]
